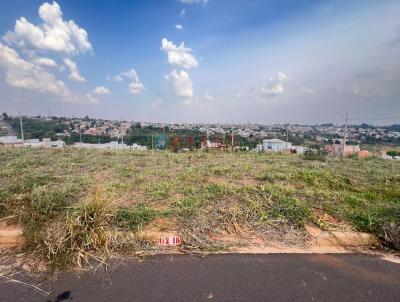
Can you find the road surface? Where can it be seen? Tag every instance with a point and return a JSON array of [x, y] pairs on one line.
[[273, 277]]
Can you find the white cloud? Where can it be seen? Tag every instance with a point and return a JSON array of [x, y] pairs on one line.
[[193, 1], [27, 75], [91, 99], [136, 86], [53, 34], [101, 90], [155, 105], [275, 86], [118, 78], [178, 26], [45, 62], [74, 72], [307, 90], [31, 76], [179, 55], [182, 14], [180, 83]]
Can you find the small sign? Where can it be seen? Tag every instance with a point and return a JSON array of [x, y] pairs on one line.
[[173, 240], [161, 141]]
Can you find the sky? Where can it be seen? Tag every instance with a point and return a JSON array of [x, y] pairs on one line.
[[212, 61]]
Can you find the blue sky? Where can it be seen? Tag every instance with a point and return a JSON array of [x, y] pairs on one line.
[[242, 61]]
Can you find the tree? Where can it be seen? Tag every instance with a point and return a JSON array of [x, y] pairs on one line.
[[175, 143], [5, 116], [392, 153], [190, 142]]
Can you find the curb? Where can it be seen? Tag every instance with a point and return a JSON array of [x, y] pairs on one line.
[[341, 239], [10, 235]]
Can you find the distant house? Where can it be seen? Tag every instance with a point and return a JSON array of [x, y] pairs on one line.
[[338, 149], [363, 154], [10, 140], [275, 145]]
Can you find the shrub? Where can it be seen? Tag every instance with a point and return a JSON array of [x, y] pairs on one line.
[[315, 155], [392, 235], [393, 153], [84, 231]]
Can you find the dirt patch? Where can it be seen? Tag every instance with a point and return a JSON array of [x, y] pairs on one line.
[[134, 198], [178, 196], [248, 181], [165, 226], [153, 178], [329, 222], [218, 180]]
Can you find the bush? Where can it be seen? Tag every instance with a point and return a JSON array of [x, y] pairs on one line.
[[84, 231], [392, 235], [315, 155], [393, 153]]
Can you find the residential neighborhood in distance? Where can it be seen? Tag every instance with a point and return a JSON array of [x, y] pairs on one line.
[[199, 150], [100, 133]]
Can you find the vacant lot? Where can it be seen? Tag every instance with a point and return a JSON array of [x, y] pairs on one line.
[[70, 200]]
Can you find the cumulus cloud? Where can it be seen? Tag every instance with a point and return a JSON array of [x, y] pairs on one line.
[[182, 14], [74, 72], [23, 74], [178, 26], [26, 67], [91, 99], [136, 86], [179, 55], [193, 1], [118, 78], [45, 62], [101, 90], [54, 34], [180, 83], [275, 86], [31, 76]]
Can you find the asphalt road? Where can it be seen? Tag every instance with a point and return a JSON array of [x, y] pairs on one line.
[[273, 277]]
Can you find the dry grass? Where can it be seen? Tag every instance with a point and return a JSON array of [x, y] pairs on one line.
[[84, 234], [216, 199]]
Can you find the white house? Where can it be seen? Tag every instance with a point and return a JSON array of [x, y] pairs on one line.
[[9, 140], [275, 145]]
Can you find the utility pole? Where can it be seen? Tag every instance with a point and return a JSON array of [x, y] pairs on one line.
[[232, 138], [152, 141], [287, 138], [22, 128], [345, 134]]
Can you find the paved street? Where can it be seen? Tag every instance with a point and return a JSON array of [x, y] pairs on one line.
[[273, 277]]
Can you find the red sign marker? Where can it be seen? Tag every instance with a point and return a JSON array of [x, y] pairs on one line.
[[173, 240]]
